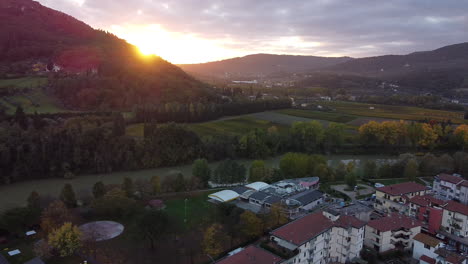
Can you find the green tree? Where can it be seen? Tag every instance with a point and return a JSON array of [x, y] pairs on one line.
[[179, 183], [411, 170], [99, 190], [307, 136], [18, 220], [369, 169], [229, 171], [351, 179], [202, 171], [257, 171], [127, 187], [68, 196], [66, 239], [335, 134], [153, 226]]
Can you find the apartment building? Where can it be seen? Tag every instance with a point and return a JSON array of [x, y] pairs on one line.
[[455, 225], [250, 255], [391, 232], [445, 256], [428, 210], [451, 187], [394, 198], [320, 238]]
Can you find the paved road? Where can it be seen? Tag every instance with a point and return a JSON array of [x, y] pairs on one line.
[[341, 188]]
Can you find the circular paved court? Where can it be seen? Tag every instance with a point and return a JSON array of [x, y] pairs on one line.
[[101, 230]]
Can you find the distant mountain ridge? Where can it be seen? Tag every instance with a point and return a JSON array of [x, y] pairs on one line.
[[263, 64]]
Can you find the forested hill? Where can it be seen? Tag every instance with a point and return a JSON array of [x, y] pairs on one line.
[[96, 70], [263, 64], [445, 58]]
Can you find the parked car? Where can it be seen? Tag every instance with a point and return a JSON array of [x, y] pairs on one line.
[[378, 185]]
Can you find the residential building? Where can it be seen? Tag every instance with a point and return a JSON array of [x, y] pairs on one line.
[[451, 187], [455, 225], [250, 255], [424, 248], [359, 210], [445, 256], [428, 210], [395, 231], [320, 238], [394, 198]]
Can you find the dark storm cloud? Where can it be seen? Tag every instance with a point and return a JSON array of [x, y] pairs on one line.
[[347, 27]]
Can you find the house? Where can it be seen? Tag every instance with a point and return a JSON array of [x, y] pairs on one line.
[[3, 260], [428, 210], [451, 187], [321, 238], [394, 198], [395, 231], [445, 256], [424, 248], [250, 255], [307, 199], [455, 225]]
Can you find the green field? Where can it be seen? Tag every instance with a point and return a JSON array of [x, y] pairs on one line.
[[26, 82], [198, 207], [395, 112], [230, 126], [32, 99], [333, 117]]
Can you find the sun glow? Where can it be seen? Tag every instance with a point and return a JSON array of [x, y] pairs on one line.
[[175, 47]]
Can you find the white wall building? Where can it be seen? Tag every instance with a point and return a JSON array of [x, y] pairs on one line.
[[424, 248], [451, 187]]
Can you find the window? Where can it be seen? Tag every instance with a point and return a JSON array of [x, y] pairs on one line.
[[427, 246]]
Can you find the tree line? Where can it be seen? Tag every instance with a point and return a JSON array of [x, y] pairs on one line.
[[36, 147]]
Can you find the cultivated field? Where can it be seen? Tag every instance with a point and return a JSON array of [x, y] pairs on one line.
[[27, 82], [395, 112], [311, 114]]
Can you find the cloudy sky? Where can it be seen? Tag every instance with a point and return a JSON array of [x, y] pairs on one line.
[[191, 31]]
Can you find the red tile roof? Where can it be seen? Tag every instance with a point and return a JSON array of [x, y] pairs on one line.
[[427, 240], [426, 200], [449, 256], [304, 229], [393, 222], [402, 188], [427, 259], [457, 207], [346, 221], [450, 178], [251, 255]]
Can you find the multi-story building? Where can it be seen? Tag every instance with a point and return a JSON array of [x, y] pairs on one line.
[[320, 238], [395, 231], [451, 187], [250, 255], [424, 248], [394, 198], [428, 210], [445, 256], [455, 225]]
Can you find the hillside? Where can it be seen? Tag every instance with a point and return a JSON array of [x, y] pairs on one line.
[[87, 68], [262, 64], [448, 57]]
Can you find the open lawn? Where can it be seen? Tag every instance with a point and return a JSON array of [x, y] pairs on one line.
[[283, 119], [395, 112], [311, 114], [198, 209], [26, 82]]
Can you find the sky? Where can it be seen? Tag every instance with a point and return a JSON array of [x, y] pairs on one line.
[[194, 31]]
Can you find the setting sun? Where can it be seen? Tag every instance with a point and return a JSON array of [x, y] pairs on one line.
[[175, 47]]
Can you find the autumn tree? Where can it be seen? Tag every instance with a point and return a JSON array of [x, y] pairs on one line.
[[54, 216], [202, 171], [213, 240], [461, 134], [34, 200], [369, 169], [277, 215], [156, 184], [68, 196], [251, 224], [66, 239], [153, 225], [99, 190]]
